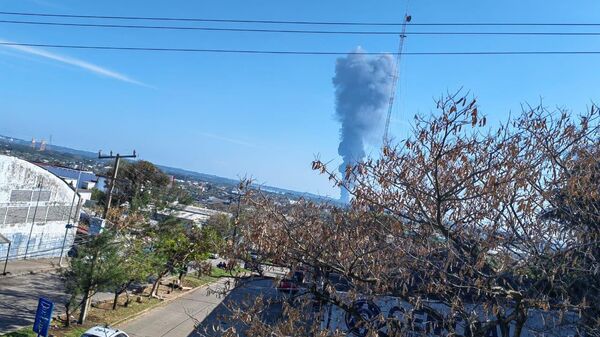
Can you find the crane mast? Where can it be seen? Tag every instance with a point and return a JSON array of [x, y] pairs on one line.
[[395, 75]]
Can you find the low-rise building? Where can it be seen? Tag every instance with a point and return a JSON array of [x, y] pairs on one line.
[[35, 207], [192, 215], [84, 180]]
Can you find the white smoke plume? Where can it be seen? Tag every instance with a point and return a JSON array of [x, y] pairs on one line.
[[362, 88]]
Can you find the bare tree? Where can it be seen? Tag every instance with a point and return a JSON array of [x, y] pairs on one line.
[[477, 230]]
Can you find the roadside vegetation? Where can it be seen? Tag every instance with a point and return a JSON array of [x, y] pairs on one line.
[[141, 261], [127, 306]]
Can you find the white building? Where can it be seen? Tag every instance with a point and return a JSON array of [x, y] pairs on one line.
[[35, 206], [84, 180], [193, 215]]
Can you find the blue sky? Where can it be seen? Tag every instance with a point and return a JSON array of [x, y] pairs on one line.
[[259, 115]]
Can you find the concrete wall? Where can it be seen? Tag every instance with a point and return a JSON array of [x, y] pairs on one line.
[[23, 203]]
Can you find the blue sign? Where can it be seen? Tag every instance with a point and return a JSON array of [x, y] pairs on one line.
[[43, 316]]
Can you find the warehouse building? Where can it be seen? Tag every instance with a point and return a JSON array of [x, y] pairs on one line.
[[35, 207], [85, 180], [191, 215]]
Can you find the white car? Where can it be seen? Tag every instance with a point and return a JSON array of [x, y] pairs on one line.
[[104, 331]]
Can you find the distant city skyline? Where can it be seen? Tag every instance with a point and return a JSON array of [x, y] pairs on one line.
[[268, 116]]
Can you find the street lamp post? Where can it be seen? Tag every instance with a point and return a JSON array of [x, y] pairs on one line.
[[62, 250], [6, 260], [67, 227], [33, 220]]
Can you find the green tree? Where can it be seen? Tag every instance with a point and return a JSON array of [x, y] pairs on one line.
[[95, 268], [142, 184], [134, 267], [222, 224], [175, 246], [176, 193], [139, 183], [98, 196]]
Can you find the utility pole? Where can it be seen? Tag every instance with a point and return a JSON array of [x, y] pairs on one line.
[[87, 294], [111, 188]]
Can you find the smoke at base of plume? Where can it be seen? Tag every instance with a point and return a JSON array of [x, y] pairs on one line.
[[362, 88]]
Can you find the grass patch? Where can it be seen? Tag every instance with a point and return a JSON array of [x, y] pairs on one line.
[[75, 331], [195, 281], [218, 272], [28, 332], [103, 312], [25, 332]]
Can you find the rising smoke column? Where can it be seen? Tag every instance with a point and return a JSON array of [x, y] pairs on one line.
[[362, 89]]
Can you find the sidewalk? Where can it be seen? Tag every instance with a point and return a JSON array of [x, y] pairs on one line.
[[16, 268]]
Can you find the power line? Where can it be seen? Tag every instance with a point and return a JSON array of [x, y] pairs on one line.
[[291, 31], [249, 30], [201, 19], [299, 52], [302, 22]]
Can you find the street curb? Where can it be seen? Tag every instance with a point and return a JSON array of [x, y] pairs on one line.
[[137, 314]]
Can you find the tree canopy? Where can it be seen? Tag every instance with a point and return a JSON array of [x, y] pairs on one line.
[[453, 223], [141, 183]]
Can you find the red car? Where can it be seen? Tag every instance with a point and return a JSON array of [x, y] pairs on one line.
[[287, 285]]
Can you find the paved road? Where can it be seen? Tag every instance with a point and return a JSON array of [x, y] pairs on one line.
[[19, 298], [176, 318], [239, 297], [180, 317]]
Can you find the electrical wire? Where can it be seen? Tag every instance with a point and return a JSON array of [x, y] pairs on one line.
[[292, 31], [301, 22], [298, 52]]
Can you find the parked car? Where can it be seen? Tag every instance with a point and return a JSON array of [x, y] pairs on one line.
[[288, 285], [298, 277], [104, 331], [253, 266], [137, 287]]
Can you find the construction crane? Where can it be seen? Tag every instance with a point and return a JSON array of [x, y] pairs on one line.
[[395, 75]]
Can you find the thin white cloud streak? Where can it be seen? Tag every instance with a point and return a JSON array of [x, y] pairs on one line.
[[42, 3], [76, 63], [227, 139]]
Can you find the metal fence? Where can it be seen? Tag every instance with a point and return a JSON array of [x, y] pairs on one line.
[[28, 208], [20, 213]]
